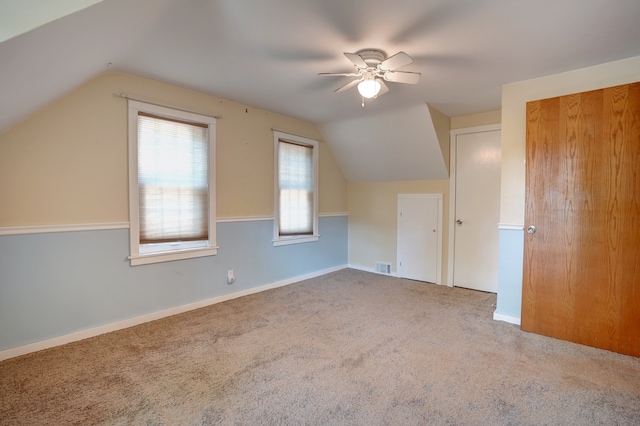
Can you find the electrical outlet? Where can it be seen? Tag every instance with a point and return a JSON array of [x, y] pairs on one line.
[[231, 278]]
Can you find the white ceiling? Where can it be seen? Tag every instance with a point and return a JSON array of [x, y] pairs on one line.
[[268, 53], [18, 17], [367, 148]]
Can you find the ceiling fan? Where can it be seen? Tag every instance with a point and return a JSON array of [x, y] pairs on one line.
[[374, 68]]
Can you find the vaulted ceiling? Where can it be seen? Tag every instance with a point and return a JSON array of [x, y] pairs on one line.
[[268, 53]]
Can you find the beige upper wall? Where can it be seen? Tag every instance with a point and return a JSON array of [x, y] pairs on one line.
[[67, 164], [442, 126], [514, 99], [474, 120], [373, 220]]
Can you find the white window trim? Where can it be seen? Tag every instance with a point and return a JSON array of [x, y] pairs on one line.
[[295, 239], [177, 252]]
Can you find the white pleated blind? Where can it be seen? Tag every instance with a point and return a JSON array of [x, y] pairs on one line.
[[173, 180], [295, 182]]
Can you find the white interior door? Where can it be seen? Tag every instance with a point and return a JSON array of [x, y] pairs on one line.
[[477, 210], [420, 236]]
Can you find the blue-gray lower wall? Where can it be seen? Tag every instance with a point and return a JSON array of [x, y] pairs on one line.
[[510, 261], [53, 284]]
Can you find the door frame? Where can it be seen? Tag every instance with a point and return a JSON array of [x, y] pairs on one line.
[[452, 187], [439, 198]]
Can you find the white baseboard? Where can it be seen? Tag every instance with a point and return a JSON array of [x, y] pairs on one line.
[[119, 325], [506, 318]]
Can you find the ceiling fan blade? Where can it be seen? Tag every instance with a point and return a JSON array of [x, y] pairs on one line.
[[348, 86], [402, 77], [396, 61], [356, 59], [383, 89], [339, 74]]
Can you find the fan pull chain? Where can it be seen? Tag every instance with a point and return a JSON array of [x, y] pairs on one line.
[[362, 102]]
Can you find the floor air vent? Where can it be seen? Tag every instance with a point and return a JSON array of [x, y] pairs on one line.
[[383, 268]]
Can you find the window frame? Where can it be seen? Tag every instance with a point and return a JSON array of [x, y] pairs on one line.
[[164, 252], [279, 240]]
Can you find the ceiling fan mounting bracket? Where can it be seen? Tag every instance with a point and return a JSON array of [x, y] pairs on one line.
[[372, 57]]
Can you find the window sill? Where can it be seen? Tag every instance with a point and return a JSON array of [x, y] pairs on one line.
[[146, 259], [295, 240]]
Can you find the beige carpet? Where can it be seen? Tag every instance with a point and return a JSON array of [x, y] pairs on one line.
[[347, 348]]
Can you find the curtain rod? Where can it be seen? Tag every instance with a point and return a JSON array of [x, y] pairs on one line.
[[273, 129], [127, 97]]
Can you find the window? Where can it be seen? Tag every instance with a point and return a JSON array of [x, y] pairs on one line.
[[171, 184], [296, 189]]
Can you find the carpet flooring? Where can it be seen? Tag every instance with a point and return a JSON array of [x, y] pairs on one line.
[[349, 347]]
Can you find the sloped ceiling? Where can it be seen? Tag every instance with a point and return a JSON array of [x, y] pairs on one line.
[[389, 146], [268, 53], [19, 17]]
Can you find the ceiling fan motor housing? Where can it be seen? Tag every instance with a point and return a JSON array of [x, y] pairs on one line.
[[372, 57], [374, 68]]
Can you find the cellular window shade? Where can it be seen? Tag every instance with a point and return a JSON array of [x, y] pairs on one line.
[[172, 180], [295, 182]]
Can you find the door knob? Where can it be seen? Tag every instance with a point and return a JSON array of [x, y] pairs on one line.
[[531, 229], [459, 222]]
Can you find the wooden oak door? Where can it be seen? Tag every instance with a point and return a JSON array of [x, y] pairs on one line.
[[582, 265]]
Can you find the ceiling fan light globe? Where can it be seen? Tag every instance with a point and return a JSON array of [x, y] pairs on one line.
[[369, 88]]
